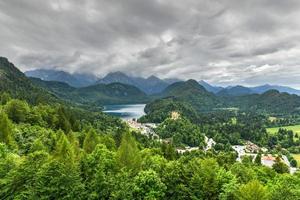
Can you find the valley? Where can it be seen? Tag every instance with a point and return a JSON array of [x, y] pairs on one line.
[[95, 134]]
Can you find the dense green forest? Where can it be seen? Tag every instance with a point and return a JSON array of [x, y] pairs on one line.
[[55, 152], [53, 149]]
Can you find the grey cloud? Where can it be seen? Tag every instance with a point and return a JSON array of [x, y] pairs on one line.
[[221, 41]]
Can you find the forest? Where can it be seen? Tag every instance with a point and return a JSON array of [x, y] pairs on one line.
[[61, 152]]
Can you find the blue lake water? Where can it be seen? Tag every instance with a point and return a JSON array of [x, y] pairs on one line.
[[125, 111]]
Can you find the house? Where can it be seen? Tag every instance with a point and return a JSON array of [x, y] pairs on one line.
[[251, 147], [175, 115], [268, 160]]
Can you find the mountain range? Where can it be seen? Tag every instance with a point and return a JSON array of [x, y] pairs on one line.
[[150, 85], [191, 93], [75, 80]]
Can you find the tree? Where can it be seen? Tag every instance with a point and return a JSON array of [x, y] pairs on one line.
[[128, 154], [147, 185], [168, 151], [204, 182], [285, 187], [4, 98], [63, 122], [253, 190], [64, 151], [293, 163], [90, 141], [17, 110], [97, 169], [20, 182], [280, 167], [258, 159], [6, 135], [58, 180]]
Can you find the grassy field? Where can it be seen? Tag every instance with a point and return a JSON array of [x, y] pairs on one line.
[[295, 129], [297, 157]]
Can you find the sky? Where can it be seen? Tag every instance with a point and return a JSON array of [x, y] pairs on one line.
[[224, 42]]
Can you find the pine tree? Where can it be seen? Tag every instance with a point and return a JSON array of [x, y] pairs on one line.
[[90, 141], [6, 131], [258, 159], [64, 150], [128, 154]]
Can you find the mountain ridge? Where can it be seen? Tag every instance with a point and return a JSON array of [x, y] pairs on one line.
[[150, 85]]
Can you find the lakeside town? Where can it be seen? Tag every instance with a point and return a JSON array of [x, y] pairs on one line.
[[248, 149]]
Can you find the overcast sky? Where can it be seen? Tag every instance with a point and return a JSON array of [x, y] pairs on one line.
[[224, 42]]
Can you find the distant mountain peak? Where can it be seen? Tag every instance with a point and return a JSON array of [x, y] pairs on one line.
[[152, 77], [116, 73], [210, 88], [192, 82], [75, 80]]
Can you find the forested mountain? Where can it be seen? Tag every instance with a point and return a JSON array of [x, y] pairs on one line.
[[264, 88], [210, 88], [98, 95], [14, 82], [113, 93], [235, 91], [192, 93], [75, 80], [150, 85], [242, 90], [272, 102]]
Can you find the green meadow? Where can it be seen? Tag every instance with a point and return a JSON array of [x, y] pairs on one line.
[[297, 158], [295, 129]]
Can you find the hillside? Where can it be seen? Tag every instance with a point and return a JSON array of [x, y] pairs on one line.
[[150, 85], [75, 80], [235, 91], [272, 102], [100, 94], [264, 88], [210, 88], [192, 93], [14, 82], [114, 93]]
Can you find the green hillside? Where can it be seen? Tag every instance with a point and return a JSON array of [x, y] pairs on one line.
[[192, 93], [98, 95], [14, 82]]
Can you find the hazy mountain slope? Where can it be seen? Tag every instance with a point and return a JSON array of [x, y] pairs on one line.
[[75, 80], [210, 88], [235, 91], [100, 94], [150, 85], [263, 88], [114, 93]]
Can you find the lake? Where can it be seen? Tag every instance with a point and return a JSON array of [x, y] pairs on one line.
[[125, 111]]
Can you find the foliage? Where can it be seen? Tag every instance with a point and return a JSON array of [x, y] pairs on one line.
[[181, 131]]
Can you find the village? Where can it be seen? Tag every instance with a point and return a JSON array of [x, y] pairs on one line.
[[248, 149]]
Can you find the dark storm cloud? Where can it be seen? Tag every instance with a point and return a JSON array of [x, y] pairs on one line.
[[221, 41]]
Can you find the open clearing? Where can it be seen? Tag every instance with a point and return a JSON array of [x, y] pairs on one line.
[[295, 129], [297, 157]]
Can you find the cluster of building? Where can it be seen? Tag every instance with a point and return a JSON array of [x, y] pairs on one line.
[[250, 149], [145, 128]]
